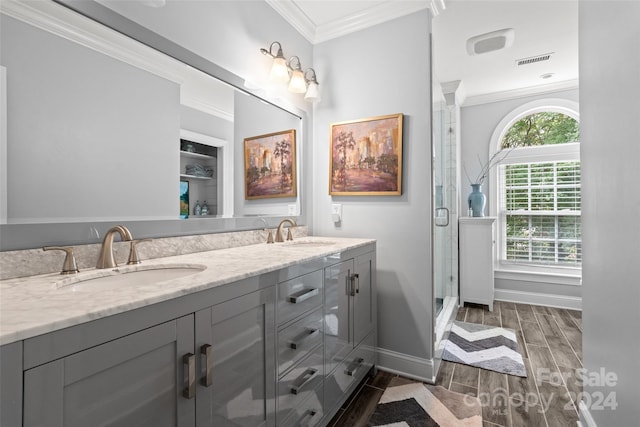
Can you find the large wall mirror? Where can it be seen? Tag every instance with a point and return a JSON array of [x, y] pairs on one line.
[[103, 126]]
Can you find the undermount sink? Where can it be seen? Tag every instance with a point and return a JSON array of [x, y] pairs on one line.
[[131, 275], [309, 243]]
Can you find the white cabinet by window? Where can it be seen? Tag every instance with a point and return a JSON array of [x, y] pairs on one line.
[[477, 249]]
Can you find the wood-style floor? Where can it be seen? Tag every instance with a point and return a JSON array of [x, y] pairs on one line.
[[550, 340]]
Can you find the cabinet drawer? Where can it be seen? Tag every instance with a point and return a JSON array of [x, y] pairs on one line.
[[302, 383], [297, 339], [299, 295], [308, 413], [349, 372]]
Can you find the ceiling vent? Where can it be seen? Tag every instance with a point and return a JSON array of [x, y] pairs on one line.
[[490, 42], [533, 59]]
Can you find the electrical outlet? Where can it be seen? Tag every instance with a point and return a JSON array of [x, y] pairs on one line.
[[336, 212], [291, 210]]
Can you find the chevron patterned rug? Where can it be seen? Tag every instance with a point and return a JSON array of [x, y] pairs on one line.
[[486, 347], [411, 404]]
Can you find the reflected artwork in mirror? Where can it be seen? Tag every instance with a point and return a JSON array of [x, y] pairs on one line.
[[96, 123]]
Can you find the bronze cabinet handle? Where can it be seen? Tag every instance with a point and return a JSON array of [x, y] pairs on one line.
[[206, 351], [189, 360]]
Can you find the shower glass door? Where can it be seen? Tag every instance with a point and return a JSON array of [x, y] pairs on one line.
[[445, 212]]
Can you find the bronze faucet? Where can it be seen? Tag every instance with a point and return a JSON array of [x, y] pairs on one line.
[[106, 260], [69, 266], [292, 223]]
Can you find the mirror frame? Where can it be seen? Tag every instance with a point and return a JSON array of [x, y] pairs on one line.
[[34, 235]]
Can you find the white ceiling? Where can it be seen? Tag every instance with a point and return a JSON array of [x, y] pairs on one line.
[[541, 26]]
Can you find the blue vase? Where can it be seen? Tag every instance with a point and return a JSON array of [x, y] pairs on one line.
[[477, 200]]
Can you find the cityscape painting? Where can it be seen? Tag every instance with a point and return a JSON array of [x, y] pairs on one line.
[[270, 165], [366, 157]]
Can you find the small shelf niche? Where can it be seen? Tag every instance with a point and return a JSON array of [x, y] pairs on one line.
[[198, 151]]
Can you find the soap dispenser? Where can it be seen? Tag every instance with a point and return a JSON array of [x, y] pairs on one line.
[[197, 209], [205, 209]]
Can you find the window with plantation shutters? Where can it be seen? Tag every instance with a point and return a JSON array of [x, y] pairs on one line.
[[539, 193], [540, 206]]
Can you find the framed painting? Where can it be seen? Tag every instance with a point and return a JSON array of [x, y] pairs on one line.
[[366, 157], [184, 199], [270, 165]]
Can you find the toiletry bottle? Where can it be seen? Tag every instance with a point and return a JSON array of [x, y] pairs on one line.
[[205, 209], [197, 210]]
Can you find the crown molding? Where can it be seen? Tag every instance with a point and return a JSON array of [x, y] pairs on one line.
[[352, 23], [295, 17], [65, 23], [60, 21], [520, 93]]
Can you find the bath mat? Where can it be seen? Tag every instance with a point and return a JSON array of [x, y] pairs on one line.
[[417, 404], [486, 347]]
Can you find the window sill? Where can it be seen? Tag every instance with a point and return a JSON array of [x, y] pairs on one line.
[[555, 277]]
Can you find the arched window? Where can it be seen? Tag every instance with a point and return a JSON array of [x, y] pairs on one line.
[[538, 188]]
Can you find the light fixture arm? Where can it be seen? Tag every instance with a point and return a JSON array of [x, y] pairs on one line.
[[269, 52], [297, 66], [313, 78]]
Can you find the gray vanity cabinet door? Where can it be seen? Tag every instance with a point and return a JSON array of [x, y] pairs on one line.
[[363, 297], [235, 344], [338, 339], [137, 380], [11, 384]]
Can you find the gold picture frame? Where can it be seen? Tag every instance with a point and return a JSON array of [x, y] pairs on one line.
[[270, 165], [366, 157]]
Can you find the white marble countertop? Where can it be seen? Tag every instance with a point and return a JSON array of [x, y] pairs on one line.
[[30, 306]]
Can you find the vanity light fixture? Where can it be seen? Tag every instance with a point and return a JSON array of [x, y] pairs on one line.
[[283, 71], [279, 70], [297, 83], [313, 88]]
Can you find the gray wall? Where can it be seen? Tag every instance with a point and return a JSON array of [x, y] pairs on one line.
[[124, 119], [610, 112], [377, 71], [206, 124]]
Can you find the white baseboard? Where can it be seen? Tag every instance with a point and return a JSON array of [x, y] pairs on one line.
[[549, 300], [407, 366], [585, 416]]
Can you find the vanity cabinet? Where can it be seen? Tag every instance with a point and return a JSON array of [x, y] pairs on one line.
[[283, 348], [136, 380], [214, 366], [300, 345], [235, 346], [350, 326]]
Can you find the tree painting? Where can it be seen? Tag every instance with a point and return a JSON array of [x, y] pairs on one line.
[[283, 150], [366, 157], [344, 142], [270, 169]]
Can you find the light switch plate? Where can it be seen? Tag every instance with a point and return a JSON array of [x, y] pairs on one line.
[[291, 210], [336, 209]]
